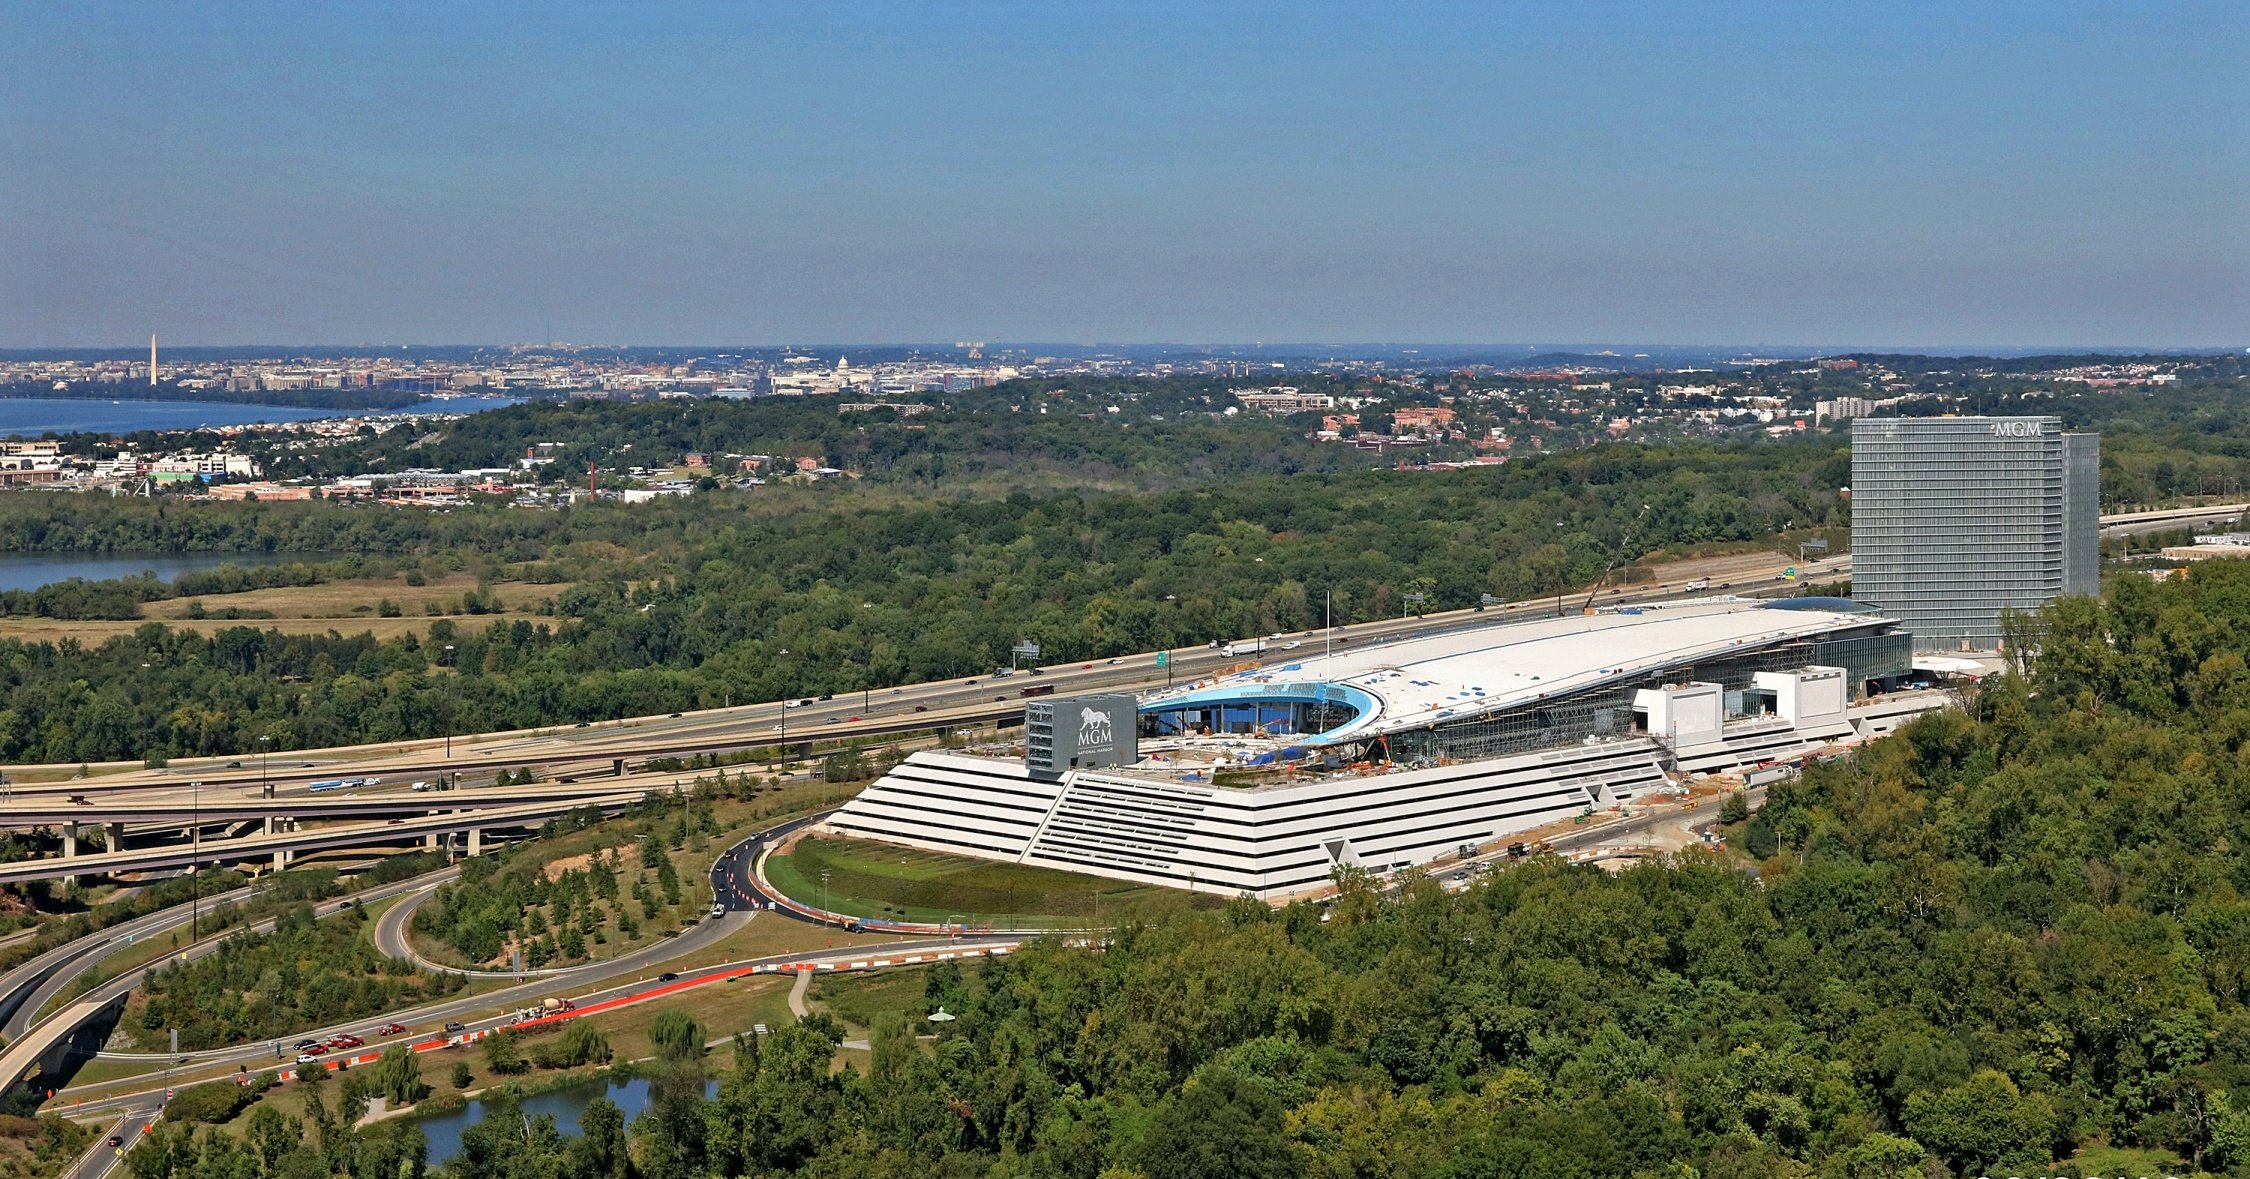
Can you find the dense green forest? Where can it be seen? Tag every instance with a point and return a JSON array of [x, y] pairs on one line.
[[304, 973], [1090, 432], [690, 602], [2008, 941]]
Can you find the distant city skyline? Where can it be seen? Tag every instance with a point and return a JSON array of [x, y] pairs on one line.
[[1929, 177]]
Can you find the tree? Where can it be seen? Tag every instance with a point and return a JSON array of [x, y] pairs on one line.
[[1220, 1126], [502, 1054], [1984, 1124], [1735, 809], [1548, 568], [463, 1076], [398, 1077], [578, 1043], [601, 1140], [1758, 838], [1884, 1156], [675, 1035]]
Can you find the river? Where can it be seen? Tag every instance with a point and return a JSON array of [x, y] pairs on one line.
[[24, 571], [30, 417], [444, 1130]]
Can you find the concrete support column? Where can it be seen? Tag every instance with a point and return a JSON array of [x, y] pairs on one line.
[[269, 826], [429, 842], [476, 841], [116, 836], [69, 840], [281, 859]]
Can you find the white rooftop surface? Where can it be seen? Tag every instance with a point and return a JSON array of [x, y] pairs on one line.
[[1422, 681]]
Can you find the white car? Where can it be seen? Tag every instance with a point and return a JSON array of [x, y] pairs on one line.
[[419, 787], [1291, 645], [718, 910]]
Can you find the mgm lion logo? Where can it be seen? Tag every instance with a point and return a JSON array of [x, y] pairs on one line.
[[1093, 728]]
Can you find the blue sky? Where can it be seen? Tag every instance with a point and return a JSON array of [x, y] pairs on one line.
[[1812, 173]]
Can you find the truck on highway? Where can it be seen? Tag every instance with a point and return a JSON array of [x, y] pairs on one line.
[[1243, 647], [1698, 585], [1038, 690], [554, 1006], [329, 784]]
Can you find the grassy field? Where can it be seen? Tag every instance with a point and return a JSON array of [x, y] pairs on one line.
[[347, 606], [869, 879], [357, 599], [859, 999]]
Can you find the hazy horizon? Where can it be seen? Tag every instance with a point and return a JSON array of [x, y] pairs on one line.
[[2035, 176]]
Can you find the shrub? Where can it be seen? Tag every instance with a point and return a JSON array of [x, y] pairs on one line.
[[215, 1101]]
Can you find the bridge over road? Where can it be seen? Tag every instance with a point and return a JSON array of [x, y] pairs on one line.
[[281, 847]]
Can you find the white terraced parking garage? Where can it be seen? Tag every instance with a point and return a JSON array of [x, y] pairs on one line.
[[1265, 780]]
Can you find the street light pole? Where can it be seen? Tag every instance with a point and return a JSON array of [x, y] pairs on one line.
[[265, 782], [781, 750], [195, 856], [450, 673]]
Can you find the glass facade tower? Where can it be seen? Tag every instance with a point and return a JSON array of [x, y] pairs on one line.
[[1957, 519]]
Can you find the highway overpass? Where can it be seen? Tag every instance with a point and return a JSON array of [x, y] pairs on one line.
[[281, 847], [970, 700], [227, 804]]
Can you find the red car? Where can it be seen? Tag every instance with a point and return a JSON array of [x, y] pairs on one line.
[[317, 1050], [391, 1029], [345, 1041]]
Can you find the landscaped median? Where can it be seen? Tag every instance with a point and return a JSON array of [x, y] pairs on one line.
[[665, 990]]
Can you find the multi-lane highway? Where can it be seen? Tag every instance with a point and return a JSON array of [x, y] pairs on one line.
[[979, 699], [30, 987], [223, 804], [590, 751], [456, 817], [965, 700]]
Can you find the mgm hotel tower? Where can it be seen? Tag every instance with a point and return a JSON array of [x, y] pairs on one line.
[[1956, 519]]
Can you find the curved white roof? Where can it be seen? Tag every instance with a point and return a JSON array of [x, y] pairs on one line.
[[1417, 682]]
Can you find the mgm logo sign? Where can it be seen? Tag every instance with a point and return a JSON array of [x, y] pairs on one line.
[[1081, 732]]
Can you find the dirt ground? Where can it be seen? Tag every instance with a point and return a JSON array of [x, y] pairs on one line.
[[1731, 567]]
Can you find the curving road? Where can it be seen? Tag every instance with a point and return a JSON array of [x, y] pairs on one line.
[[518, 997], [390, 938], [20, 983]]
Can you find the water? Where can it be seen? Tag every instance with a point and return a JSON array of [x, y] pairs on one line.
[[25, 571], [444, 1130], [29, 417]]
